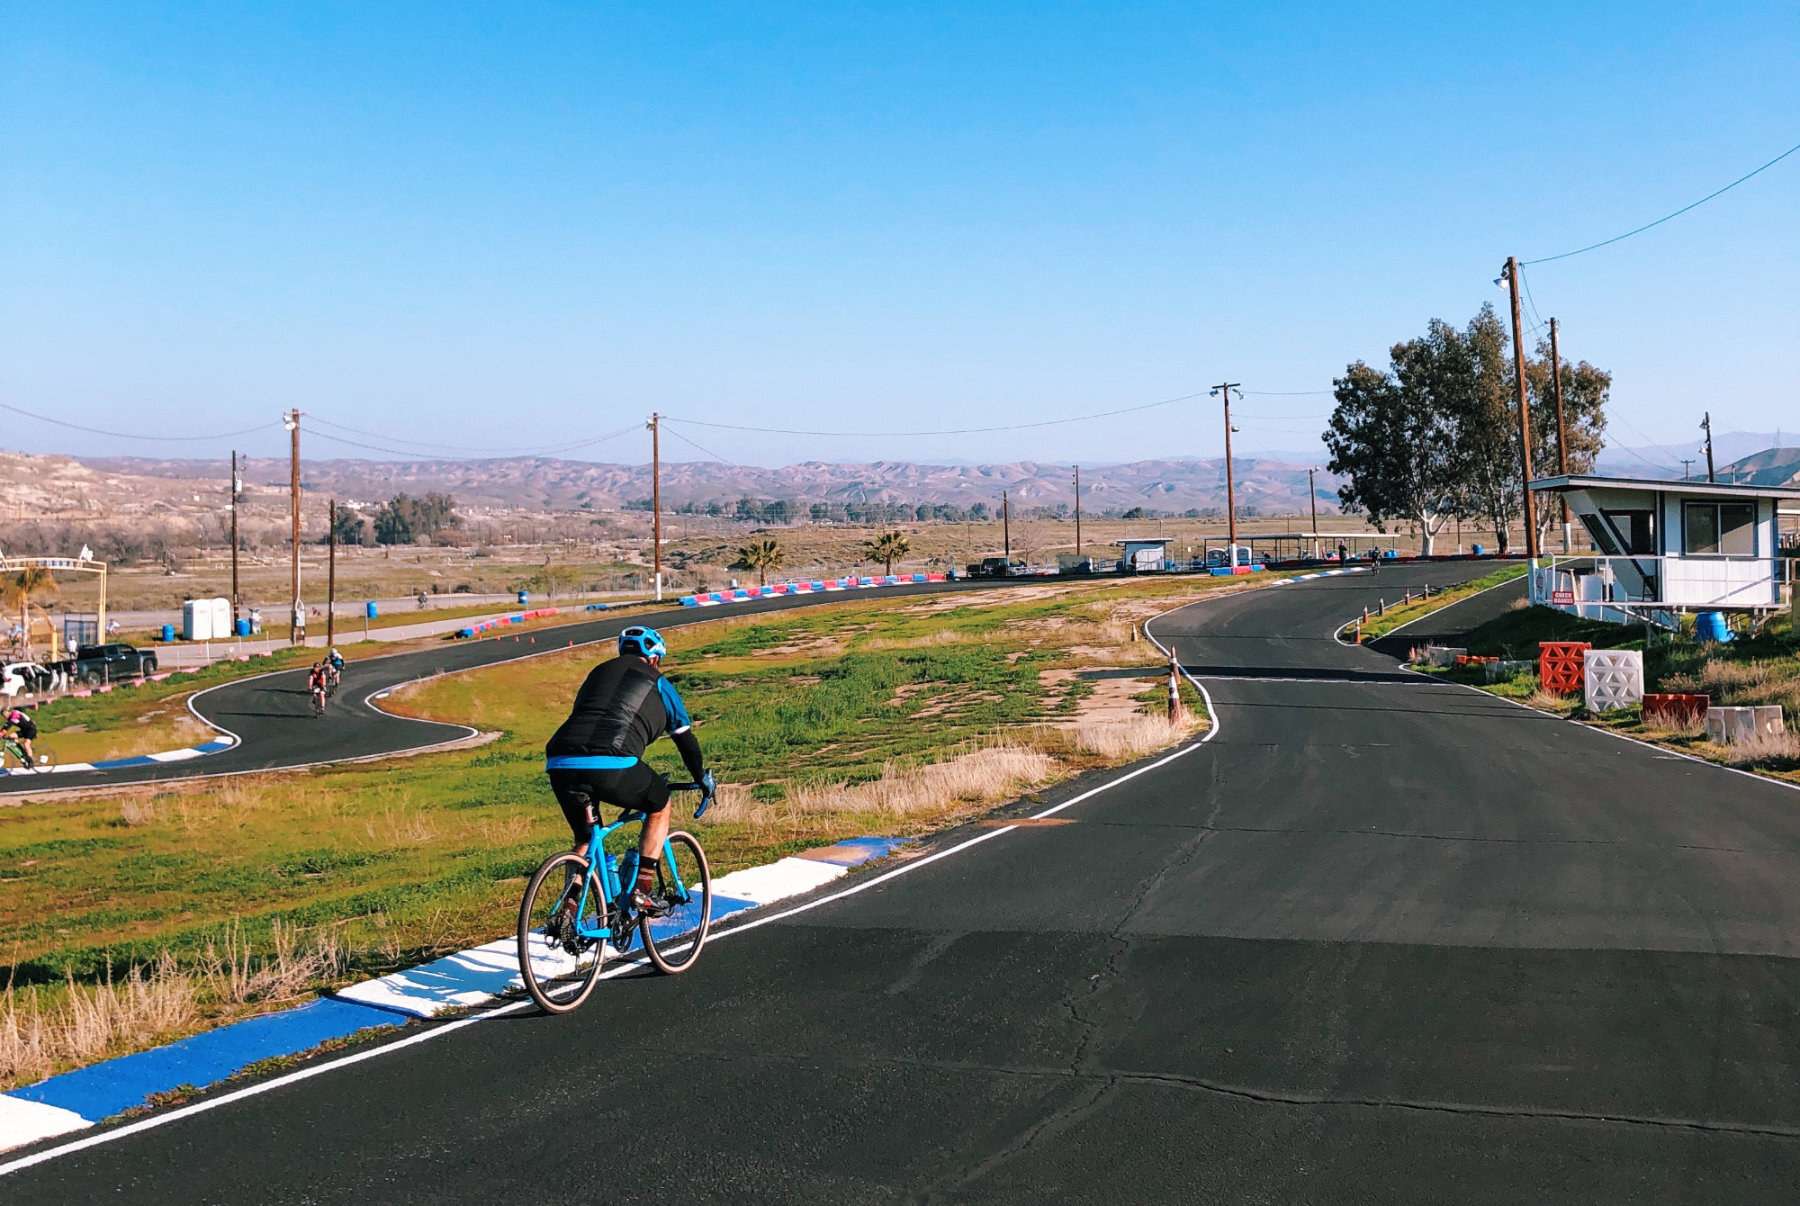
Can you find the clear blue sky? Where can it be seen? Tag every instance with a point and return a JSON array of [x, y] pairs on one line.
[[517, 225]]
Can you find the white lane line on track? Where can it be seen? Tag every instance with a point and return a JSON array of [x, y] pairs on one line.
[[438, 1031]]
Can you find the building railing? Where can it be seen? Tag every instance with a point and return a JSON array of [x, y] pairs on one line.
[[1637, 583]]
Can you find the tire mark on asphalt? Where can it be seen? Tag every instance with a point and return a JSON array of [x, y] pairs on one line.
[[1113, 1079]]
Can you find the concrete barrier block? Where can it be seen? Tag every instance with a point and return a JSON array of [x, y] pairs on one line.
[[1611, 678], [1442, 655], [1727, 726]]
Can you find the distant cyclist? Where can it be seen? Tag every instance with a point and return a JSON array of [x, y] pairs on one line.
[[335, 659], [597, 754], [315, 685], [22, 729]]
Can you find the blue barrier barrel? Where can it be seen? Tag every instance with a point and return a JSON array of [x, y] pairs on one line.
[[1711, 626], [369, 609], [1478, 550], [168, 632], [241, 626]]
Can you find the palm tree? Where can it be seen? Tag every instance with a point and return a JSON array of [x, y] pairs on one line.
[[762, 556], [887, 548], [17, 589]]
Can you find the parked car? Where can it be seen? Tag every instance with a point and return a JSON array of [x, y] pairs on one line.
[[999, 567], [109, 663], [25, 676]]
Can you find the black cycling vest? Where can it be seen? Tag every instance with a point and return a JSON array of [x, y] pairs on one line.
[[618, 711]]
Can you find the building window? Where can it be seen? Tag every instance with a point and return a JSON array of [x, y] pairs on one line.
[[1719, 529], [1636, 530]]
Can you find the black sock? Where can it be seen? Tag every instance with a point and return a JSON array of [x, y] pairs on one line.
[[646, 876]]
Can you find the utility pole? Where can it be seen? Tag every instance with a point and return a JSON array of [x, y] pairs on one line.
[[1006, 528], [1711, 476], [1511, 276], [1078, 512], [1224, 390], [1562, 436], [237, 494], [297, 629], [331, 578], [1685, 462], [1312, 496], [655, 426]]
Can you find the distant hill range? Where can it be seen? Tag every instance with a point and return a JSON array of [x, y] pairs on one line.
[[1746, 456], [35, 487], [542, 483]]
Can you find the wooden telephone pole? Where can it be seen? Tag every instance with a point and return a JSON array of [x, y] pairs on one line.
[[237, 495], [297, 629], [1078, 512], [1312, 496], [655, 426], [1223, 390], [1711, 476], [1562, 435], [1006, 529], [1511, 275], [331, 578]]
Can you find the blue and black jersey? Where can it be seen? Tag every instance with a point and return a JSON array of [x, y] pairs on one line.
[[624, 705]]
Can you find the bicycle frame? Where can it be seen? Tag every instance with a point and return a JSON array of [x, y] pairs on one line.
[[601, 868]]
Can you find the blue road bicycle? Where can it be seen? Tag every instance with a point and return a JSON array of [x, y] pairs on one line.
[[574, 916]]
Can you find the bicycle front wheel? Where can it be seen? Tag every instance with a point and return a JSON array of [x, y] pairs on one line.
[[558, 965], [683, 879]]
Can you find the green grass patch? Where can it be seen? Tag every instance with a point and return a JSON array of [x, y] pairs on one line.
[[1405, 613], [396, 863]]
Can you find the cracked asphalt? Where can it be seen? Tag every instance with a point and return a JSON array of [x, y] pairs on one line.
[[1382, 940]]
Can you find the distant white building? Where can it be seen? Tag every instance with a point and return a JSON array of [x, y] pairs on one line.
[[1663, 547], [1147, 556]]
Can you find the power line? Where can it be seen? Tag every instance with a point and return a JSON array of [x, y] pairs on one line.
[[125, 435], [430, 445], [337, 439], [1105, 414], [1646, 226], [1287, 393]]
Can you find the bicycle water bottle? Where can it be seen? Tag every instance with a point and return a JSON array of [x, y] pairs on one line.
[[627, 870]]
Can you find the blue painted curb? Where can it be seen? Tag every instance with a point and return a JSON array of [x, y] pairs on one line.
[[119, 1084], [215, 746]]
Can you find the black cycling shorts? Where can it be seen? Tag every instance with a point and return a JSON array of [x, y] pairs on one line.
[[637, 787]]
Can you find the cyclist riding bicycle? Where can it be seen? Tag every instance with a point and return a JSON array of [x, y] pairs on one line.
[[335, 660], [22, 728], [597, 754], [315, 683]]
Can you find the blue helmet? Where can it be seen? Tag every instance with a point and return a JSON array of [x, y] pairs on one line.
[[645, 642]]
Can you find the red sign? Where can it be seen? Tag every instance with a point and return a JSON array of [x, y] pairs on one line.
[[1562, 598]]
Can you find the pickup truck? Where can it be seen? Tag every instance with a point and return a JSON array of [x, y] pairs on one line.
[[109, 663], [998, 567]]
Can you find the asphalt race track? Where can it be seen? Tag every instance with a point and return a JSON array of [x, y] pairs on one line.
[[272, 714], [1380, 940]]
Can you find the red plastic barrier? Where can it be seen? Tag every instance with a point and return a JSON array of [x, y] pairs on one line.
[[1559, 666], [1676, 711]]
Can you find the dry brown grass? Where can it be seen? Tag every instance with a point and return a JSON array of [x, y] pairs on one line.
[[233, 972], [1741, 683], [984, 776], [40, 1032], [1549, 701], [1124, 740], [1770, 751]]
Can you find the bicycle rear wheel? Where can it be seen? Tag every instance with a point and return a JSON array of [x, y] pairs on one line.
[[673, 942], [559, 969]]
